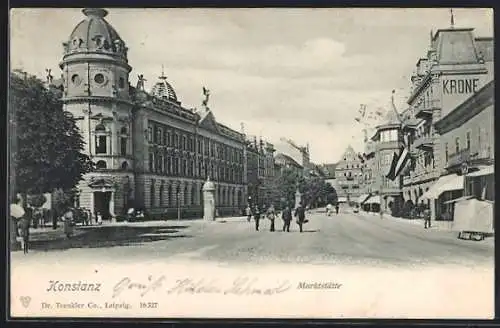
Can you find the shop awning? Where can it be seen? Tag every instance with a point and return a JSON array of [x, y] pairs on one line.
[[373, 200], [445, 183], [342, 199], [483, 170], [458, 199], [362, 198]]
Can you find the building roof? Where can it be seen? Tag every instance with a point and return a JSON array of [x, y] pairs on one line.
[[163, 89], [94, 33], [455, 46], [281, 158]]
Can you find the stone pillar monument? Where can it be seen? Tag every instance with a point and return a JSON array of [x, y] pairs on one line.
[[209, 200], [298, 198]]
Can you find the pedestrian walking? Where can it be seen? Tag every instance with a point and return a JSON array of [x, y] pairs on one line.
[[286, 215], [300, 214], [337, 208], [25, 232], [271, 215], [249, 213], [427, 218], [256, 217], [99, 218], [68, 224]]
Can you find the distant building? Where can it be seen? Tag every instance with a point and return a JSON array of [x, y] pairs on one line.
[[283, 161], [349, 176], [260, 171]]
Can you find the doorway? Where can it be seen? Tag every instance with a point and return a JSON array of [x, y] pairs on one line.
[[101, 204]]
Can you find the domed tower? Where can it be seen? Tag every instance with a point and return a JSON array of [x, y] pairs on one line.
[[163, 89], [96, 91]]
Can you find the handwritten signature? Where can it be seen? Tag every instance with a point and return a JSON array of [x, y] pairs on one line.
[[239, 286]]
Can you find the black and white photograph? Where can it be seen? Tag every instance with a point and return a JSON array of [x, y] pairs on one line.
[[288, 163]]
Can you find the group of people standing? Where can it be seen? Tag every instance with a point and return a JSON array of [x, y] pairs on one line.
[[271, 214]]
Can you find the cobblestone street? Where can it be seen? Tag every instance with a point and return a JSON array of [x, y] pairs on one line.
[[347, 238]]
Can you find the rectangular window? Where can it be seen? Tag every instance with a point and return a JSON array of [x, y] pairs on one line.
[[457, 145], [150, 134], [479, 146], [159, 136], [446, 155], [151, 161], [123, 146], [468, 139], [101, 145]]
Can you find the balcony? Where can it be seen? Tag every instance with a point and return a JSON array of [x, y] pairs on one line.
[[481, 157], [424, 143], [459, 158], [425, 112]]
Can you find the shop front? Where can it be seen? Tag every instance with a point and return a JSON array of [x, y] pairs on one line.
[[444, 190]]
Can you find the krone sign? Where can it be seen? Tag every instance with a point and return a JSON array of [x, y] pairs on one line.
[[460, 86]]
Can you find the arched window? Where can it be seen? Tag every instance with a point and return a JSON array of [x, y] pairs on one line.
[[124, 165], [124, 131], [100, 139], [100, 165], [100, 128]]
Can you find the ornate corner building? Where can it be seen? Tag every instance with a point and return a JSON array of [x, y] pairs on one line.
[[456, 67], [150, 151]]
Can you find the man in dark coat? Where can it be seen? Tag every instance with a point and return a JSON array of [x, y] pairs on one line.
[[300, 214], [256, 217], [337, 208], [25, 228], [287, 218]]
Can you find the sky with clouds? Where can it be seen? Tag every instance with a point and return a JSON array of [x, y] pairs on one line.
[[294, 73]]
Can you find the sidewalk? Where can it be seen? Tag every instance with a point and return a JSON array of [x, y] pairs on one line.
[[417, 221], [49, 234]]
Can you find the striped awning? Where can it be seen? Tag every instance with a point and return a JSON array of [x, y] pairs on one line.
[[373, 200], [445, 183], [458, 199], [362, 198]]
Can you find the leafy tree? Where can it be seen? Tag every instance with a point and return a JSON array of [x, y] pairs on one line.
[[48, 149], [316, 192]]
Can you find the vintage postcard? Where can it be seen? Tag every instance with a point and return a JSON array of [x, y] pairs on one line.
[[251, 163]]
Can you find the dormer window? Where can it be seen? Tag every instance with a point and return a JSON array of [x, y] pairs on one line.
[[99, 41], [76, 42]]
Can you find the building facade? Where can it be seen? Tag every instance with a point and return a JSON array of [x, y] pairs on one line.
[[261, 171], [456, 66], [467, 147], [349, 176], [387, 141], [150, 151]]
